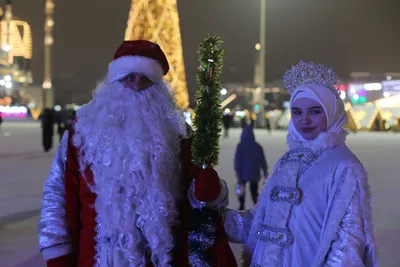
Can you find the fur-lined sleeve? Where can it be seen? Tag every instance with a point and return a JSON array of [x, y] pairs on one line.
[[221, 202], [54, 236], [237, 225]]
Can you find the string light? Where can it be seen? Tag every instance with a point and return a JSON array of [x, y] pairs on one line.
[[373, 118], [15, 41], [390, 115], [353, 116], [20, 42]]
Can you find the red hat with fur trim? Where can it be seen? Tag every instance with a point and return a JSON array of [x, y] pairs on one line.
[[138, 56]]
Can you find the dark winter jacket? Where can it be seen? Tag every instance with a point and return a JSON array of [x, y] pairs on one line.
[[249, 157]]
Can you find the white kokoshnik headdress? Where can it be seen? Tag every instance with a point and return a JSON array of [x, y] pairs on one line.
[[311, 73]]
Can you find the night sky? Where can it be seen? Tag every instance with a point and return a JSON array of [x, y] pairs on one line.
[[350, 35]]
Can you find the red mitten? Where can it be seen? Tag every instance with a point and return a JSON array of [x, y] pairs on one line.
[[206, 185]]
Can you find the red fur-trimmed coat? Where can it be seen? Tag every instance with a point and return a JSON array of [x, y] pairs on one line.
[[80, 214]]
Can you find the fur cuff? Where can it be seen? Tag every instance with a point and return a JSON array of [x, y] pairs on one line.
[[123, 66], [220, 203], [56, 251]]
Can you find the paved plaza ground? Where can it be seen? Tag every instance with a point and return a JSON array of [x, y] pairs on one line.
[[24, 167]]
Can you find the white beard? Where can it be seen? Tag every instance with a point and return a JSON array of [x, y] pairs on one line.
[[131, 141]]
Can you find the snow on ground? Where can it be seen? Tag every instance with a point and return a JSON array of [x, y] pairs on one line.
[[24, 167]]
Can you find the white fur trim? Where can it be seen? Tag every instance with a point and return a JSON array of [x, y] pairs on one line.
[[324, 141], [56, 251], [124, 65]]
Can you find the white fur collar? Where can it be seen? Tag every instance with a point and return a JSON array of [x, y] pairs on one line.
[[324, 141]]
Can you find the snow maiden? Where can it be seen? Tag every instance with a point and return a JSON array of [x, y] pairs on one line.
[[315, 208]]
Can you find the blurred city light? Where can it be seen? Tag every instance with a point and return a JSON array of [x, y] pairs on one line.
[[8, 85]]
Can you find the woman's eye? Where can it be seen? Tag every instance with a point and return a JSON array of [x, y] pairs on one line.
[[315, 112], [296, 112]]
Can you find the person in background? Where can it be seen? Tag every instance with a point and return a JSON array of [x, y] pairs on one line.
[[1, 120], [249, 161], [47, 123], [268, 122], [227, 123], [70, 119], [60, 120]]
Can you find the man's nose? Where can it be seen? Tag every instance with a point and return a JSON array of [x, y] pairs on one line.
[[136, 81]]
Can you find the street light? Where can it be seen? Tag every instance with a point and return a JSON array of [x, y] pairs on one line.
[[263, 21], [47, 91]]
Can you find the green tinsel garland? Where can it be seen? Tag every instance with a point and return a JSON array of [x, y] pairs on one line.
[[208, 112], [205, 147]]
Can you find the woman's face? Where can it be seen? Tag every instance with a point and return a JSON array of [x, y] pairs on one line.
[[308, 118]]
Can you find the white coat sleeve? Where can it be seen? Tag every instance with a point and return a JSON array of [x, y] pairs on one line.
[[348, 249], [237, 225]]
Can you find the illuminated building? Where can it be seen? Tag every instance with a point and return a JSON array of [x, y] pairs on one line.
[[15, 52]]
